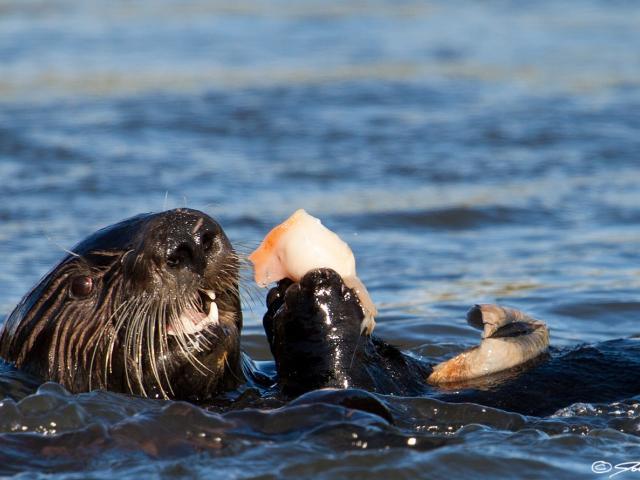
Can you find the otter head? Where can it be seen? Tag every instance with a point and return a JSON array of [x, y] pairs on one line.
[[148, 306]]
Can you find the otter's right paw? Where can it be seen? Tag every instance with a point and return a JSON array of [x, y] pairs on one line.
[[313, 328]]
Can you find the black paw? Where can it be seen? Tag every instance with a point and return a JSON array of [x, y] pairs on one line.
[[275, 300], [313, 328]]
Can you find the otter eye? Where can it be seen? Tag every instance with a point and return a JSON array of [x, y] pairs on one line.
[[81, 286]]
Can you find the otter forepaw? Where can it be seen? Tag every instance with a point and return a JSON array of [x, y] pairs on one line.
[[313, 327]]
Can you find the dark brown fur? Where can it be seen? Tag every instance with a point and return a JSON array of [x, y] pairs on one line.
[[145, 271]]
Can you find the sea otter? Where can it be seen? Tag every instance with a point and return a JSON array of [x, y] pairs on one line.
[[151, 306], [148, 306]]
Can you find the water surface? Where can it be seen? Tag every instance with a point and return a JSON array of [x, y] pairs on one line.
[[469, 152]]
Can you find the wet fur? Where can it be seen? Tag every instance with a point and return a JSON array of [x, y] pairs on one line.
[[300, 321], [116, 338]]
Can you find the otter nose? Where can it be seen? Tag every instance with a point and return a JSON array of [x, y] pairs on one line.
[[190, 241], [186, 254]]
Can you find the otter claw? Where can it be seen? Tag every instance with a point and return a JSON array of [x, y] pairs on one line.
[[275, 296]]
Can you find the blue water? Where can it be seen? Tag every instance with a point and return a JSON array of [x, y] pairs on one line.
[[468, 151]]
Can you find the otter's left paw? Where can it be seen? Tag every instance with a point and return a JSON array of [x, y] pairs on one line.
[[275, 300]]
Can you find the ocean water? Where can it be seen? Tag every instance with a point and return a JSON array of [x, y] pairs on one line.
[[468, 152]]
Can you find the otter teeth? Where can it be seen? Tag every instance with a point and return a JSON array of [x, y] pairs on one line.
[[208, 297], [193, 321], [212, 313]]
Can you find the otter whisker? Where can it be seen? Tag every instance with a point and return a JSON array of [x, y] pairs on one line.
[[226, 362], [136, 341], [100, 333], [95, 341], [65, 250], [164, 345], [250, 295], [129, 348], [108, 365], [96, 337], [244, 249], [125, 255], [178, 333], [125, 349], [183, 339], [150, 338]]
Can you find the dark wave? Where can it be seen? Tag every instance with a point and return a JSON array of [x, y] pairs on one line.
[[454, 218]]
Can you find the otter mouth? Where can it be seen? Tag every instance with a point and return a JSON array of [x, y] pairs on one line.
[[196, 316]]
